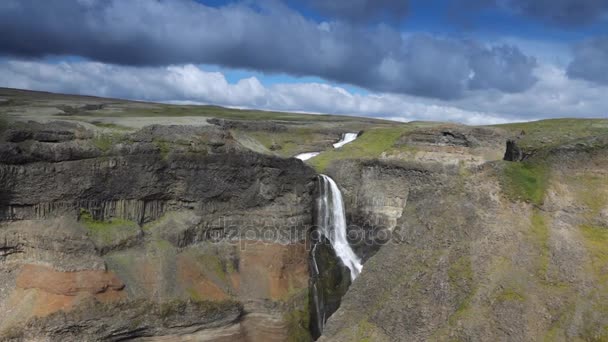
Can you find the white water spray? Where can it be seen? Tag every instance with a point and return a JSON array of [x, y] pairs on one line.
[[307, 155], [332, 223], [346, 138]]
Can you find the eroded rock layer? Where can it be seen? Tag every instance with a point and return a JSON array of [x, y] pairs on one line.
[[168, 233]]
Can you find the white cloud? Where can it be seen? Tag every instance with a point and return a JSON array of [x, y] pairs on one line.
[[554, 94]]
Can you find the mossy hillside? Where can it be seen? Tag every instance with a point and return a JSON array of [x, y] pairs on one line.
[[538, 236], [510, 295], [525, 181], [370, 145], [554, 132], [110, 231], [589, 189], [460, 276], [289, 143], [126, 109], [596, 243]]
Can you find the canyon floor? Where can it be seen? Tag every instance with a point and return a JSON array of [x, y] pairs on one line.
[[123, 220]]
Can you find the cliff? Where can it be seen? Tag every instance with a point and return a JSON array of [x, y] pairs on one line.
[[163, 232], [136, 221], [510, 251]]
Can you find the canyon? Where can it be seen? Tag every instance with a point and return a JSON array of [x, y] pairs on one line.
[[137, 221]]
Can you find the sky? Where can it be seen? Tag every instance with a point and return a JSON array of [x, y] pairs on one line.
[[467, 61]]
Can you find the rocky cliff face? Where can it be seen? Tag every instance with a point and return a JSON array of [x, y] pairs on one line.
[[162, 234], [500, 251]]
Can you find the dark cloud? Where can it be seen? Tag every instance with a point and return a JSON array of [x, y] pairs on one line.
[[591, 61], [363, 10], [560, 12], [269, 38]]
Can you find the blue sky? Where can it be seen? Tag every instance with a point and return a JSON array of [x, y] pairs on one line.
[[469, 61]]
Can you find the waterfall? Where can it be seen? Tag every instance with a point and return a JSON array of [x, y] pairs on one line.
[[332, 224], [307, 155], [346, 138], [328, 282]]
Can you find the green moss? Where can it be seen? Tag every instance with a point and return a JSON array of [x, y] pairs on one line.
[[594, 327], [164, 147], [368, 146], [596, 242], [107, 231], [161, 245], [590, 190], [525, 181], [510, 295], [215, 265], [461, 271], [460, 275], [364, 332], [298, 322], [193, 294], [103, 142], [538, 235]]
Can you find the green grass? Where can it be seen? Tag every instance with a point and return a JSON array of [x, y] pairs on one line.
[[107, 231], [526, 181], [129, 110], [554, 132], [368, 146]]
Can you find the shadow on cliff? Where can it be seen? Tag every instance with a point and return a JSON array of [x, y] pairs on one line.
[[6, 196]]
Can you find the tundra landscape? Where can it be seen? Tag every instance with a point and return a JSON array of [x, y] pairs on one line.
[[303, 170], [208, 229]]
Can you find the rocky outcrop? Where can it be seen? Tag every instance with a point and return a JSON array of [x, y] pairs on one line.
[[248, 125], [101, 235], [136, 320]]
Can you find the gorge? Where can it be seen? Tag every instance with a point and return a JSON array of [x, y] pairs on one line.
[[211, 231]]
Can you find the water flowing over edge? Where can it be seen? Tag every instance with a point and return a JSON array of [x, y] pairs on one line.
[[332, 224], [346, 138], [307, 155]]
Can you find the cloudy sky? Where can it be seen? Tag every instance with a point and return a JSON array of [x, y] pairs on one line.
[[469, 61]]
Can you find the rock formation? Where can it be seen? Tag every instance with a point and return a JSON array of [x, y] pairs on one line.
[[115, 230]]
